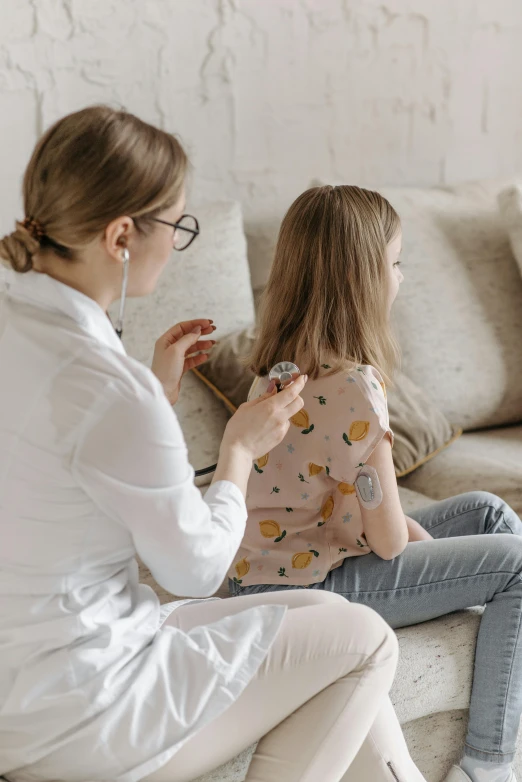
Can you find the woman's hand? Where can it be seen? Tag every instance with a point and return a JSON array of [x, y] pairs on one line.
[[260, 425], [174, 353], [256, 428]]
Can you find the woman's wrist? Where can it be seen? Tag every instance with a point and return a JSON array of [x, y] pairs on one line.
[[234, 465]]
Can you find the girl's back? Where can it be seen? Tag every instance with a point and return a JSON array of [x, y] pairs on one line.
[[304, 515]]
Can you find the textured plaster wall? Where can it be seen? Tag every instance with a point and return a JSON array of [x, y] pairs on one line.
[[270, 94]]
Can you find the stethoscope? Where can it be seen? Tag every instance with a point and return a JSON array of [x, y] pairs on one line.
[[284, 374], [125, 278]]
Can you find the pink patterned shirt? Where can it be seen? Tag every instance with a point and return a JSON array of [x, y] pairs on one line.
[[304, 517]]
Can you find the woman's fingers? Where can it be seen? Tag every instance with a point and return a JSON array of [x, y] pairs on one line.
[[205, 344], [185, 345], [283, 398], [180, 330], [289, 394], [205, 324], [194, 361], [271, 391], [293, 407]]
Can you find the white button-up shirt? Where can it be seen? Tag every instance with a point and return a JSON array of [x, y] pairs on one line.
[[94, 468]]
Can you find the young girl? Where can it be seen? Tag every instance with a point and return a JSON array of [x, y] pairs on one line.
[[312, 523]]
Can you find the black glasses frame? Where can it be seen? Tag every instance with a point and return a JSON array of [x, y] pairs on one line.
[[178, 227]]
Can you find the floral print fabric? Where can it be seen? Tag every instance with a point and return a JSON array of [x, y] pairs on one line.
[[303, 512]]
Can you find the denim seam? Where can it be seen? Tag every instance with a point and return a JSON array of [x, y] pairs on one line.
[[460, 513], [512, 531], [509, 679], [506, 757], [428, 584]]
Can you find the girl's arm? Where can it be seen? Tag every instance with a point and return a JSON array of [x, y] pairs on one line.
[[385, 527], [415, 531]]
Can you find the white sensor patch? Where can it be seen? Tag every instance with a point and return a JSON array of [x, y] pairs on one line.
[[368, 488]]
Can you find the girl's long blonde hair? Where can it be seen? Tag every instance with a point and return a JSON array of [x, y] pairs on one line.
[[327, 295], [89, 168]]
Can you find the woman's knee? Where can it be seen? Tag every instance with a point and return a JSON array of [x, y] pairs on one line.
[[344, 616], [379, 638], [293, 598], [322, 597], [352, 634]]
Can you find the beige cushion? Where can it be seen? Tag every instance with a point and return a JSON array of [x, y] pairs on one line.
[[226, 369], [510, 204], [487, 461], [458, 313], [420, 430]]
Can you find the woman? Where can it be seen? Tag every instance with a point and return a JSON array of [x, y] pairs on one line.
[[94, 469], [335, 522]]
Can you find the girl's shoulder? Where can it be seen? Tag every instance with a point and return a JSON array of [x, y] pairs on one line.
[[361, 383], [368, 376], [361, 379]]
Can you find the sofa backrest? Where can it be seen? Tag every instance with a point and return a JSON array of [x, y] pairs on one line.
[[459, 312]]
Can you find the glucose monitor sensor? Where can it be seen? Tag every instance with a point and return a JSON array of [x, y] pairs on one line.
[[368, 488]]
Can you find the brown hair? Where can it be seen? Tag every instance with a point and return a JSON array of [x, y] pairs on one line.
[[89, 168], [327, 294]]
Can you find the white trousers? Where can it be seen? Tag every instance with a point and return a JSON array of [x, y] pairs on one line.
[[318, 705]]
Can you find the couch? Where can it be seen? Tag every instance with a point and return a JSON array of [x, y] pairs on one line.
[[459, 320]]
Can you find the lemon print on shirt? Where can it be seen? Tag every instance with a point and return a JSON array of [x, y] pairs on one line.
[[302, 420], [271, 529], [383, 386], [359, 430], [260, 463], [326, 511], [303, 559], [346, 488], [242, 567], [314, 469]]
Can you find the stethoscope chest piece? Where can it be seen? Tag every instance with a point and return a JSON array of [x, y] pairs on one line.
[[284, 373]]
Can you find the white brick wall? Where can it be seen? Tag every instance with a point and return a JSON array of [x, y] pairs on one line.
[[269, 94]]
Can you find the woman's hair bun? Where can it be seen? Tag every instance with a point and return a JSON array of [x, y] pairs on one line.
[[19, 246]]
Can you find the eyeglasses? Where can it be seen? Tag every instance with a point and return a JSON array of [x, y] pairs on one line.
[[185, 231]]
